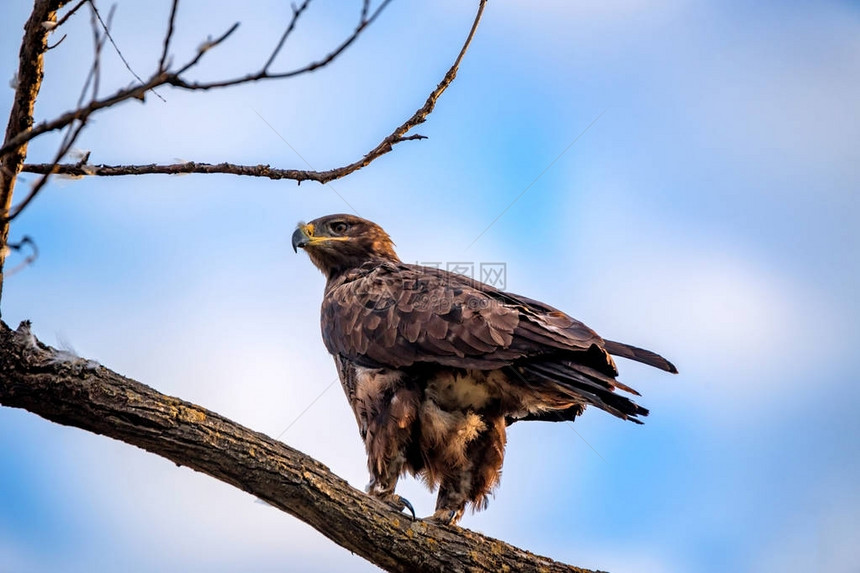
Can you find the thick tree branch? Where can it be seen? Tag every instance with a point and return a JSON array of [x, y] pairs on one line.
[[77, 392]]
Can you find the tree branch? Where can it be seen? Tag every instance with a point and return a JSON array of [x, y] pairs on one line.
[[82, 170], [297, 13], [70, 13], [28, 81], [13, 150], [73, 130], [263, 74], [385, 146], [174, 78], [77, 392]]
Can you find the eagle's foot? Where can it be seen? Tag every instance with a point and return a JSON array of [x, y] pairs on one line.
[[446, 516], [399, 503]]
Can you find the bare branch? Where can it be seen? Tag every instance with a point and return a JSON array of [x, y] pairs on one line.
[[70, 13], [25, 241], [57, 43], [187, 167], [73, 130], [77, 392], [385, 146], [297, 12], [162, 62], [78, 170], [106, 28], [132, 92], [202, 49], [177, 81], [65, 147], [99, 39], [136, 92], [162, 77]]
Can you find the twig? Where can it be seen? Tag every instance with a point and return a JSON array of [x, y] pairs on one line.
[[297, 12], [57, 43], [115, 47], [94, 75], [70, 13], [168, 36], [202, 49], [68, 141], [81, 393], [28, 260], [177, 81], [82, 113]]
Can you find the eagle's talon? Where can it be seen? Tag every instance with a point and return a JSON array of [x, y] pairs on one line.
[[407, 505], [399, 503]]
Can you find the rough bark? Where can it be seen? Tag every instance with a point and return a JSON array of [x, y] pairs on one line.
[[78, 392]]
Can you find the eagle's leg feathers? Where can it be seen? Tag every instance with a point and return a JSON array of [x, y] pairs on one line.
[[389, 415], [473, 482]]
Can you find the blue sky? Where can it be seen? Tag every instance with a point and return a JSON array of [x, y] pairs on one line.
[[710, 213]]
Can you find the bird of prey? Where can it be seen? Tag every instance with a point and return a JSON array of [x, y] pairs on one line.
[[436, 365]]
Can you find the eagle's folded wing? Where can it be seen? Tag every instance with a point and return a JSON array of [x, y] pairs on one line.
[[397, 315]]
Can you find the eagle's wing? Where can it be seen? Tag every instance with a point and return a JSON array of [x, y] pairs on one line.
[[397, 315]]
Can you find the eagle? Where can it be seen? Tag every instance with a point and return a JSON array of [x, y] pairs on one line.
[[436, 365]]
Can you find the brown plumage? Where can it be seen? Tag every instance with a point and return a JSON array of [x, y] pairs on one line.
[[435, 365]]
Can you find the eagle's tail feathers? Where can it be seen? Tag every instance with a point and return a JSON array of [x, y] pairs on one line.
[[592, 387], [639, 355]]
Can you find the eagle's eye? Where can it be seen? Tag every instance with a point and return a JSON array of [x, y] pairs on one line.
[[339, 227]]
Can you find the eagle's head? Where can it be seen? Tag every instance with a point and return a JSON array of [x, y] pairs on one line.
[[336, 243]]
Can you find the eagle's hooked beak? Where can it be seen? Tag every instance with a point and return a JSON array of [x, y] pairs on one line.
[[301, 238]]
